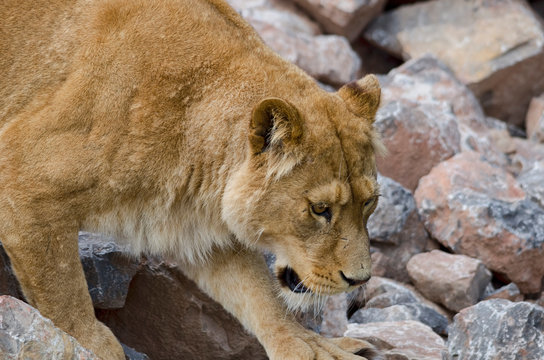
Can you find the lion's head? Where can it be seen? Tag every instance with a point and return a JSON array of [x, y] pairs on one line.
[[308, 187]]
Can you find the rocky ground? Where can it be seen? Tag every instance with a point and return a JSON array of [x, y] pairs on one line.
[[457, 239]]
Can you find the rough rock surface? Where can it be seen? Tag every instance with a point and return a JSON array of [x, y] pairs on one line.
[[508, 292], [485, 214], [412, 311], [108, 269], [335, 316], [382, 292], [418, 136], [343, 17], [472, 39], [532, 183], [534, 122], [402, 340], [455, 281], [498, 330], [167, 317], [395, 230], [26, 334], [328, 58], [426, 86]]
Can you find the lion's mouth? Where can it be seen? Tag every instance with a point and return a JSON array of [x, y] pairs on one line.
[[290, 279]]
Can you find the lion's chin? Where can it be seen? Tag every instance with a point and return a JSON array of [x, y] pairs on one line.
[[303, 301]]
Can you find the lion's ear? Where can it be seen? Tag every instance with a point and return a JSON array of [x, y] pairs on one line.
[[275, 124], [362, 97]]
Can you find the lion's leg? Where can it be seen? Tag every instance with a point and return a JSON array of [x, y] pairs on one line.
[[240, 281], [46, 262]]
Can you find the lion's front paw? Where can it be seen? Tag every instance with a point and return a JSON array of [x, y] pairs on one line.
[[310, 346]]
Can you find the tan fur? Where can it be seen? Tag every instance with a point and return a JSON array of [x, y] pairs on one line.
[[170, 125]]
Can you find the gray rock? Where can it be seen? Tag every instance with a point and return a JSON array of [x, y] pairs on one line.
[[328, 58], [335, 316], [472, 39], [392, 298], [395, 230], [343, 17], [382, 292], [509, 292], [108, 269], [413, 311], [26, 334], [132, 354], [480, 211], [498, 330], [532, 182]]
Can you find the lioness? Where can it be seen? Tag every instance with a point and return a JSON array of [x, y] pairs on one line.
[[169, 124]]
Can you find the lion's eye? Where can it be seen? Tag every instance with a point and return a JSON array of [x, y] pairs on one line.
[[322, 210], [369, 203]]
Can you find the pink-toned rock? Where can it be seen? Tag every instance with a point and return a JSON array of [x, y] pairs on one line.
[[328, 58], [343, 17], [491, 58], [418, 137], [395, 230], [335, 316], [534, 122], [481, 211], [424, 94], [26, 334], [402, 340], [167, 317], [455, 281]]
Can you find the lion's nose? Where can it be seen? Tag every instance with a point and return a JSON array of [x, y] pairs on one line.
[[354, 282]]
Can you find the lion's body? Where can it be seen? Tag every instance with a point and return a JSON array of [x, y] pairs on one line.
[[132, 118]]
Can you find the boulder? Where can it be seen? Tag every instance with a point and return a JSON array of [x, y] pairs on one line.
[[498, 330], [26, 334], [471, 38], [166, 316], [108, 267], [534, 122], [401, 340], [343, 17], [418, 137], [412, 311], [328, 58], [455, 281], [395, 230], [424, 94], [382, 293], [480, 211]]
